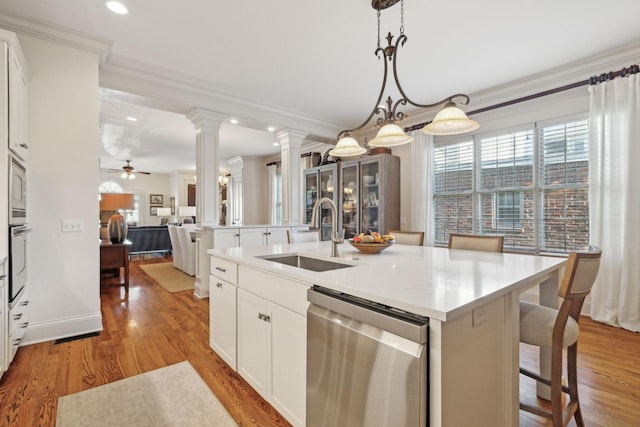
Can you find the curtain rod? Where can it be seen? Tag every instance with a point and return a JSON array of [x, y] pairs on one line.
[[633, 69]]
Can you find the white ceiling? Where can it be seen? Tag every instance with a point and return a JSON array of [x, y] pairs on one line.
[[306, 64]]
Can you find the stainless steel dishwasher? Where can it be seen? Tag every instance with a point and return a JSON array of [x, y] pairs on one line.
[[367, 363]]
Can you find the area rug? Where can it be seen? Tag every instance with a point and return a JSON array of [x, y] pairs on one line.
[[172, 396], [169, 277]]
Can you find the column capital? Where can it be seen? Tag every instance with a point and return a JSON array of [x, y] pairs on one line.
[[205, 120], [291, 137]]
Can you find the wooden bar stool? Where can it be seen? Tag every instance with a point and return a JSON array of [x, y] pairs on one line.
[[475, 242], [556, 329]]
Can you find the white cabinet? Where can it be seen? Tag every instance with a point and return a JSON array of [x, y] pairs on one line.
[[226, 238], [222, 309], [288, 363], [18, 323], [253, 341], [18, 96], [253, 237], [272, 340], [249, 236], [278, 235], [222, 319]]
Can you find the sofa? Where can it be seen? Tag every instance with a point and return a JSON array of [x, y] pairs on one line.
[[147, 239]]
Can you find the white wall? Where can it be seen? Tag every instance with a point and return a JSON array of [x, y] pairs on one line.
[[254, 191], [63, 280]]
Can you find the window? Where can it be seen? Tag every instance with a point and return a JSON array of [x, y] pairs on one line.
[[278, 199], [530, 185]]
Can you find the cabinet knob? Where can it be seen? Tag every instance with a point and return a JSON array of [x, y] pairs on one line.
[[24, 145], [264, 317], [224, 270], [24, 325], [17, 316], [25, 302], [219, 285]]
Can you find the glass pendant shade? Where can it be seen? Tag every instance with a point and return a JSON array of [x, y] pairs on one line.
[[347, 147], [390, 135], [450, 121]]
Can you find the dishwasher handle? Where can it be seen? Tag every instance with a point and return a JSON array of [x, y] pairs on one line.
[[415, 330]]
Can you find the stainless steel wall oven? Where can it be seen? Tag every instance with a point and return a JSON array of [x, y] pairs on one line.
[[17, 192]]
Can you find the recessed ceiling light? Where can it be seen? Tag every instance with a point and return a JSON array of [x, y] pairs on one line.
[[271, 128], [132, 119], [117, 7], [234, 121], [276, 144]]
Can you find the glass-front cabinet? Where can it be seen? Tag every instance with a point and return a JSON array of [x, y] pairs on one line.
[[350, 202], [370, 195], [321, 181]]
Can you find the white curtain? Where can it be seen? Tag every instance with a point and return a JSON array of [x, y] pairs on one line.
[[272, 170], [614, 199], [421, 190]]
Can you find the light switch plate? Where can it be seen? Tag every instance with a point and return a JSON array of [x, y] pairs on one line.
[[72, 225]]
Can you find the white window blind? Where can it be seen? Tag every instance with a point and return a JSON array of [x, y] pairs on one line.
[[453, 187], [564, 179], [530, 185], [506, 188]]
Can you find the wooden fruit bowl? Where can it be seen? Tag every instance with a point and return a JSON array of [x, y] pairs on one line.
[[370, 248]]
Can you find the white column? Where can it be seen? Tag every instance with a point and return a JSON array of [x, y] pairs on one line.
[[207, 124], [290, 143]]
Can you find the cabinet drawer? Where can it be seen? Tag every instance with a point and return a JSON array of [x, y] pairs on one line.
[[225, 270], [19, 319], [284, 292]]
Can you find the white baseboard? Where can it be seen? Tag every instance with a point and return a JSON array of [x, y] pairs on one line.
[[62, 328]]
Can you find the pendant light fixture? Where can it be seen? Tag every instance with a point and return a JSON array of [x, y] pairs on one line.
[[450, 121]]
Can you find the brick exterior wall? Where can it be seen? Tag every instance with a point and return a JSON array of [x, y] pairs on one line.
[[564, 219]]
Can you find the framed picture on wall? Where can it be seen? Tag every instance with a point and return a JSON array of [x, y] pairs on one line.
[[153, 210], [156, 199], [172, 203]]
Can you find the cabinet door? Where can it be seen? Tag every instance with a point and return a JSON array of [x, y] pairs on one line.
[[350, 199], [222, 320], [277, 236], [329, 186], [16, 91], [253, 339], [289, 364], [370, 196], [310, 193], [226, 238], [253, 237]]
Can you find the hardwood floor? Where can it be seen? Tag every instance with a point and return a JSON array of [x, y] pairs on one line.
[[150, 329], [153, 328]]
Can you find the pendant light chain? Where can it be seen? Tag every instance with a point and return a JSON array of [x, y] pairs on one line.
[[378, 29], [401, 21]]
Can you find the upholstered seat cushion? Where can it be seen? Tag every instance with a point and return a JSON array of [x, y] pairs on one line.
[[536, 326]]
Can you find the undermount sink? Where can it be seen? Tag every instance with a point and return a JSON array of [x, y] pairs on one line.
[[305, 262]]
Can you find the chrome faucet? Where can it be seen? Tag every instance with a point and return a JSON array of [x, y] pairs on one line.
[[334, 223]]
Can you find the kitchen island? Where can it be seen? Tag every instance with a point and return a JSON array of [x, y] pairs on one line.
[[471, 299]]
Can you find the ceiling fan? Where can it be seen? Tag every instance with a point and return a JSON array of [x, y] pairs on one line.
[[129, 171]]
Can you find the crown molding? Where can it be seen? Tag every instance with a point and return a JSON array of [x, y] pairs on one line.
[[55, 33], [180, 93], [583, 69]]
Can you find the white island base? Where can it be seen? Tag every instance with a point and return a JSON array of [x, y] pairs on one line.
[[470, 297]]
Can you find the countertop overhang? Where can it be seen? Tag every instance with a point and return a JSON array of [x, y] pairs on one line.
[[439, 283]]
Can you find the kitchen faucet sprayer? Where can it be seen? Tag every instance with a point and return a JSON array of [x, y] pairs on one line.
[[334, 223]]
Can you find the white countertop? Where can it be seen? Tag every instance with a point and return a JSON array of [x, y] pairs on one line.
[[439, 283], [222, 227]]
